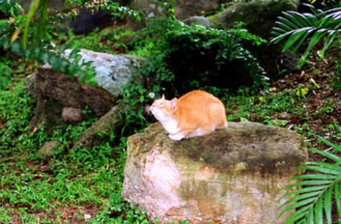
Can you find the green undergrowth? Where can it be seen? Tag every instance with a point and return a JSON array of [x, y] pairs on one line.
[[85, 184], [64, 187], [283, 111]]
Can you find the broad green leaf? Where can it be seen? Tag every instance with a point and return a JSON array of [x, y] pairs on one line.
[[280, 37], [300, 197], [313, 41], [328, 204], [277, 31], [318, 211], [295, 212], [305, 190], [310, 216], [302, 203], [299, 214], [330, 166], [325, 141], [281, 22], [310, 183], [304, 38], [327, 154], [294, 37], [294, 21], [287, 20], [315, 176], [302, 18], [321, 169], [337, 191]]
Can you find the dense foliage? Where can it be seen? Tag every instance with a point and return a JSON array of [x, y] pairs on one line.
[[193, 56]]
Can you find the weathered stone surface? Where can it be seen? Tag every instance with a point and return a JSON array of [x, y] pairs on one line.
[[48, 147], [258, 15], [70, 114], [109, 122], [200, 20], [54, 91], [112, 71], [231, 176]]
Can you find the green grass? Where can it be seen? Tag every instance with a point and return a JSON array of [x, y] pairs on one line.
[[68, 185], [34, 187]]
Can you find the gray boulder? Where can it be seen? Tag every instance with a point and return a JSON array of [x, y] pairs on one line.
[[231, 176], [112, 71], [199, 20]]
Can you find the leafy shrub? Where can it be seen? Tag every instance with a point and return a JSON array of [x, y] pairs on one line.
[[6, 73], [191, 57]]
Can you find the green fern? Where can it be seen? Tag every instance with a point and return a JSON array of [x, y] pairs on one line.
[[312, 196], [319, 25]]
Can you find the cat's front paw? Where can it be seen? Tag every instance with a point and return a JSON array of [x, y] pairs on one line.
[[176, 137]]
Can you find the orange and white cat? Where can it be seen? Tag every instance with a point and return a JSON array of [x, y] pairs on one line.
[[196, 113]]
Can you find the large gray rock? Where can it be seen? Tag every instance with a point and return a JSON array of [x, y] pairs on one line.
[[258, 15], [231, 176], [112, 71]]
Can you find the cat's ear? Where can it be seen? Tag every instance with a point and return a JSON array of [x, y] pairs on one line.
[[163, 97], [173, 102]]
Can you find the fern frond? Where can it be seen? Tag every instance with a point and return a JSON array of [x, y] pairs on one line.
[[295, 28], [311, 197]]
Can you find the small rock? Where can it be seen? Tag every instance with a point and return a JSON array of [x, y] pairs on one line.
[[200, 20], [48, 147], [71, 114], [87, 216]]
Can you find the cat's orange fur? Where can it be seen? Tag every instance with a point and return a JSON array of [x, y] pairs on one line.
[[196, 113]]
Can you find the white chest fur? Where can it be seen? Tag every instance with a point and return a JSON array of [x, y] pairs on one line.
[[170, 125]]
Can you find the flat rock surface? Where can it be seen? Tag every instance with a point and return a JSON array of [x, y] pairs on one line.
[[230, 176]]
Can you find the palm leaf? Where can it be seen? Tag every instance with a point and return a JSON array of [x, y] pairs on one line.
[[311, 197], [328, 204], [337, 192], [295, 28]]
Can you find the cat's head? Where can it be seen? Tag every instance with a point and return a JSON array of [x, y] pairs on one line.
[[163, 109]]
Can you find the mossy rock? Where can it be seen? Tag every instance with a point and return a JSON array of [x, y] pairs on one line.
[[235, 175], [258, 15]]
